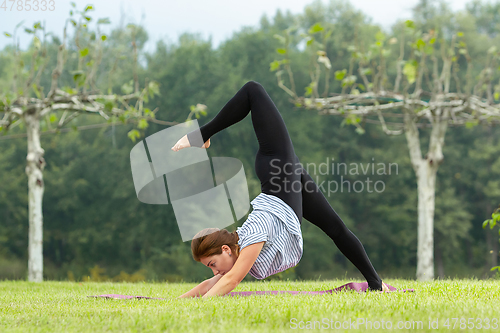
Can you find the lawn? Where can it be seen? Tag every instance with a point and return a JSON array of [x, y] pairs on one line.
[[64, 307]]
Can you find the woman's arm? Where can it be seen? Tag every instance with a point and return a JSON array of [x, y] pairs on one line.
[[202, 288], [196, 291], [241, 267]]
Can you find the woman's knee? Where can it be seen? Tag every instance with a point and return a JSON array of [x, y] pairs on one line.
[[254, 86]]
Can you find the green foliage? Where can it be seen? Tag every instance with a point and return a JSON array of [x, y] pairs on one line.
[[349, 80], [103, 21], [109, 105], [133, 135], [84, 52], [471, 123], [37, 43], [151, 114], [316, 28], [275, 65], [419, 44], [340, 74], [69, 90], [380, 36], [360, 130], [143, 124], [351, 119], [128, 87], [280, 38], [410, 70], [154, 88], [366, 71], [197, 110], [495, 219], [35, 89], [78, 77], [410, 24]]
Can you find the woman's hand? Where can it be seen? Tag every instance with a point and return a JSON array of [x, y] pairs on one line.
[[202, 288]]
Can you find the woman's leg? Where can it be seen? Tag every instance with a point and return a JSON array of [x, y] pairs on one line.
[[318, 211], [267, 121], [276, 164]]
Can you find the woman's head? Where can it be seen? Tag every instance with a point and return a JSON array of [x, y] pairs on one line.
[[216, 248]]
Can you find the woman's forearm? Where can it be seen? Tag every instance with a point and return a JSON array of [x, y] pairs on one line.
[[197, 291], [222, 287], [202, 288]]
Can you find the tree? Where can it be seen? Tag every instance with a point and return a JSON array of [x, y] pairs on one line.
[[495, 219], [434, 104], [26, 104]]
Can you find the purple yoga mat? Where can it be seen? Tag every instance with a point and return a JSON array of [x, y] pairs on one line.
[[359, 287]]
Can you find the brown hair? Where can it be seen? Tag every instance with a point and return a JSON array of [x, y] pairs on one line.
[[209, 241]]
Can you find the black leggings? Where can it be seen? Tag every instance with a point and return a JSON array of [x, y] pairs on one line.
[[281, 173]]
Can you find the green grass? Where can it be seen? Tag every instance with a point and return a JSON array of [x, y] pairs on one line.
[[64, 307]]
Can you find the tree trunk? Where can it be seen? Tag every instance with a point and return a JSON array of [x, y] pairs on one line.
[[34, 170], [426, 183], [425, 171]]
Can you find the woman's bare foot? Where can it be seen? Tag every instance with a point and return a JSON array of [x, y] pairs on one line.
[[385, 288], [206, 144], [184, 143]]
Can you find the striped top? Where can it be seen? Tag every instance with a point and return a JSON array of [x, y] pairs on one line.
[[274, 222]]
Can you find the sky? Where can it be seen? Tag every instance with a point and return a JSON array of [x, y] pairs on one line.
[[167, 19]]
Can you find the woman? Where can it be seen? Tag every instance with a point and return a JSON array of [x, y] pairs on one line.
[[270, 240]]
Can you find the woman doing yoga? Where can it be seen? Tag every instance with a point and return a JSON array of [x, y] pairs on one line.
[[270, 240]]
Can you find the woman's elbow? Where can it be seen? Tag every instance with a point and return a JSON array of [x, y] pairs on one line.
[[235, 283]]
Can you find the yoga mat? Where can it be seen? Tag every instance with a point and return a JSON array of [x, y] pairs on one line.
[[359, 287]]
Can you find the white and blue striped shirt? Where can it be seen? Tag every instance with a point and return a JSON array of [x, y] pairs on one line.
[[274, 222]]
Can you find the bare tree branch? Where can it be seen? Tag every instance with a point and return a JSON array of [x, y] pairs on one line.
[[400, 61]]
